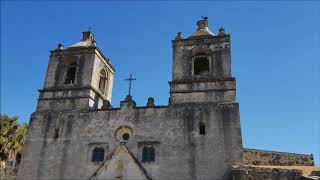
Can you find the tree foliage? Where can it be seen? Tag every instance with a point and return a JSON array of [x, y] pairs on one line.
[[12, 136]]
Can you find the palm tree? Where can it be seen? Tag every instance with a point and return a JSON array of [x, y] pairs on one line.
[[12, 137]]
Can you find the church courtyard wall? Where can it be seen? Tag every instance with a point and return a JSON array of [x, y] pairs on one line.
[[263, 157]]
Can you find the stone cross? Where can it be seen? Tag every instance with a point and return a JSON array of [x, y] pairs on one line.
[[130, 79]]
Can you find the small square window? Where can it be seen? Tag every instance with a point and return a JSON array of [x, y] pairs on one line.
[[148, 153], [97, 154]]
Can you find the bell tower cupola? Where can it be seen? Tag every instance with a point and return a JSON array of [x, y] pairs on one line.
[[201, 69], [78, 77]]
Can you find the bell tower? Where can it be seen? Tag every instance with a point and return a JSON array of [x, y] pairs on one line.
[[201, 70], [78, 77]]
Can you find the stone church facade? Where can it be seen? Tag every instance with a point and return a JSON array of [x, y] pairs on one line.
[[75, 133]]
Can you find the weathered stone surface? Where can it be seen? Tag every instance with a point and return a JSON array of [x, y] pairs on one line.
[[258, 173], [315, 173], [263, 157], [84, 91], [175, 127], [121, 164]]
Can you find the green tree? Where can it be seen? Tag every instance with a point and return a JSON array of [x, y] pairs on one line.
[[12, 136]]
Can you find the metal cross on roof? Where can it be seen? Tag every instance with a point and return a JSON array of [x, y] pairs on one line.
[[130, 79]]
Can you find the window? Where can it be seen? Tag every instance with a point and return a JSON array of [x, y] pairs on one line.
[[97, 154], [18, 158], [201, 64], [56, 134], [125, 136], [202, 128], [71, 73], [102, 81], [148, 153]]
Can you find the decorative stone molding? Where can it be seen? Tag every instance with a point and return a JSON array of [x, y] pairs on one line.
[[150, 103], [179, 36], [106, 105], [128, 102]]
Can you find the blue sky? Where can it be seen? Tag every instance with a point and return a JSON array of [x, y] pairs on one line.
[[275, 57]]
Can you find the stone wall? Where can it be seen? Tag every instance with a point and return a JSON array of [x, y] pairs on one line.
[[262, 157], [181, 152], [258, 173]]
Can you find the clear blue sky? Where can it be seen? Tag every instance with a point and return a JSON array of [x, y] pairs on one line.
[[275, 56]]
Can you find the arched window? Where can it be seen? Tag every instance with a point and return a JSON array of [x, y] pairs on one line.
[[202, 128], [97, 154], [148, 154], [70, 73], [102, 81], [201, 64]]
